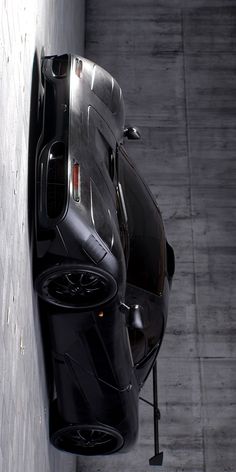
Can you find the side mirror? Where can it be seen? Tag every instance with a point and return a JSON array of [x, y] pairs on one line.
[[134, 315], [135, 319], [132, 133]]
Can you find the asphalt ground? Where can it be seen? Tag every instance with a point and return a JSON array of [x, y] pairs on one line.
[[29, 29]]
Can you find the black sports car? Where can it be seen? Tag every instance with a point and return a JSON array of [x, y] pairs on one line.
[[104, 267]]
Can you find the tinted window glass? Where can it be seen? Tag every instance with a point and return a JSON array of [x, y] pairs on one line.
[[146, 266]]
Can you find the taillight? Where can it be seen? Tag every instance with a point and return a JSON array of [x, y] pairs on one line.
[[76, 182]]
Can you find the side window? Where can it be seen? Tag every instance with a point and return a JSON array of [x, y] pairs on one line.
[[123, 220], [109, 164], [147, 245]]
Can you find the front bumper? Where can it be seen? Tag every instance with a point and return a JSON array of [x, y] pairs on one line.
[[52, 152]]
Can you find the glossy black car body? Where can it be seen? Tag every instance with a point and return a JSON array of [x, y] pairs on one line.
[[104, 266]]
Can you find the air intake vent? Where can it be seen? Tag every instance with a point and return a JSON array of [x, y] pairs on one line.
[[57, 164], [57, 180]]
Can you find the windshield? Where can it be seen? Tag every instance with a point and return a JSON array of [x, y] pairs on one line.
[[147, 256]]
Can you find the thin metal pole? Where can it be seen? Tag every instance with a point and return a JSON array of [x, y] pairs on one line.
[[156, 411], [157, 459]]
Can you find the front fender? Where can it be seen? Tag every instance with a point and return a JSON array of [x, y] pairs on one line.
[[94, 370]]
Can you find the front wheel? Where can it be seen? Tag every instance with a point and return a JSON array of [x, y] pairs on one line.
[[72, 286]]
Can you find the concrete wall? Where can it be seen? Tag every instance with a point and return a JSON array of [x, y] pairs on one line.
[[175, 62]]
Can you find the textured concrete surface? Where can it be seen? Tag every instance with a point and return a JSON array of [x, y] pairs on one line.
[[175, 62], [27, 27]]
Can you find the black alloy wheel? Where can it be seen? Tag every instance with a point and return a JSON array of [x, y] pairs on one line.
[[87, 440], [76, 287]]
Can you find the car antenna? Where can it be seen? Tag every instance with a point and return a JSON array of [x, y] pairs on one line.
[[157, 459]]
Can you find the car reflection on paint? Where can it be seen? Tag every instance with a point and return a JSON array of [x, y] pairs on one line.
[[104, 267]]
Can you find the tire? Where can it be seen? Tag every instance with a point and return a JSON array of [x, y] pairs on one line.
[[74, 286], [87, 440]]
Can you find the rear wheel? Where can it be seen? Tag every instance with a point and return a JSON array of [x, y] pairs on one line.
[[71, 286], [87, 439]]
